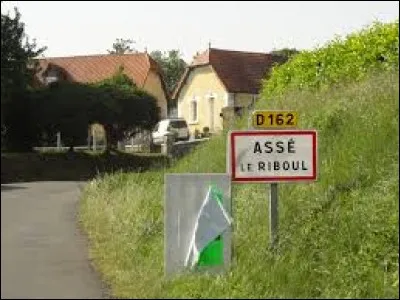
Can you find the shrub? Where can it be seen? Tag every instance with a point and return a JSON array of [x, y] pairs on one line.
[[197, 134], [206, 131], [374, 47]]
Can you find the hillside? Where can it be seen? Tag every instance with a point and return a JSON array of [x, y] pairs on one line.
[[338, 236]]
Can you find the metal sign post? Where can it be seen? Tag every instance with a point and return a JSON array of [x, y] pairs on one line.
[[273, 198], [273, 215], [254, 119]]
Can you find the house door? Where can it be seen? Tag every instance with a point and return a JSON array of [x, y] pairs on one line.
[[211, 107]]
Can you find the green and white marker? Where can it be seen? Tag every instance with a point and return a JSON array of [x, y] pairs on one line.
[[206, 246]]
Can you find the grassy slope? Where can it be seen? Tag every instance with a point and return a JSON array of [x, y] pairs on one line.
[[339, 236]]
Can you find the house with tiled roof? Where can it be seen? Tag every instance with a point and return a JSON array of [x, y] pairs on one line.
[[140, 67], [217, 79]]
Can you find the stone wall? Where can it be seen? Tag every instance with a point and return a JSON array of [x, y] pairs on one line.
[[179, 149], [229, 115]]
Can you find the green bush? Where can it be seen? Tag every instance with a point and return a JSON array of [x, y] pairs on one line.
[[206, 131], [374, 47], [197, 134]]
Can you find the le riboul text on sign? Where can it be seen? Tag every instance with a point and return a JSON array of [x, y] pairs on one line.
[[273, 155]]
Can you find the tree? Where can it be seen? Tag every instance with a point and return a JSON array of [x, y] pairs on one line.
[[119, 79], [122, 46], [285, 52], [115, 103], [63, 107], [17, 70], [122, 108], [17, 66], [172, 66]]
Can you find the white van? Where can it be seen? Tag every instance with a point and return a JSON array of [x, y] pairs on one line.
[[177, 126]]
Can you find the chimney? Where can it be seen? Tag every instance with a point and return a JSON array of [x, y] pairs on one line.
[[195, 56]]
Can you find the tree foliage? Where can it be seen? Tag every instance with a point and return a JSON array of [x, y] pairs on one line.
[[63, 107], [123, 109], [122, 46], [374, 47], [172, 66], [285, 52], [17, 70], [115, 103], [17, 52]]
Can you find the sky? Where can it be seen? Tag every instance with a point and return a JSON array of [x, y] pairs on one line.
[[70, 28]]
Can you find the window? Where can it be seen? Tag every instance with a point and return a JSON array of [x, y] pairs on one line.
[[173, 124], [51, 76], [178, 124], [229, 99], [182, 124], [253, 102], [193, 110], [173, 112], [51, 79]]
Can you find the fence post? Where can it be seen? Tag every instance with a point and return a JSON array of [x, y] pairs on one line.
[[166, 147], [94, 143], [58, 140]]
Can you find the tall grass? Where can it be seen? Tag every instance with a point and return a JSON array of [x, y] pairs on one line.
[[338, 236]]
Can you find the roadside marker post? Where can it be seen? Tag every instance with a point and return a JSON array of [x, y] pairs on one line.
[[191, 222], [271, 156]]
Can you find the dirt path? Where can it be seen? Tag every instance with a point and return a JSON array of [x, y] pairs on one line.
[[43, 254]]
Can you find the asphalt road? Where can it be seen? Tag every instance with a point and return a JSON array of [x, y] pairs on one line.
[[43, 254]]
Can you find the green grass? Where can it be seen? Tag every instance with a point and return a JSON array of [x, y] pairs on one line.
[[338, 236]]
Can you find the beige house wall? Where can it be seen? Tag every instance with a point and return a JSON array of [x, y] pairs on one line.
[[154, 87], [201, 86]]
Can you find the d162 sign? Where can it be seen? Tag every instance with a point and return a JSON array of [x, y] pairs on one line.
[[275, 119], [272, 155]]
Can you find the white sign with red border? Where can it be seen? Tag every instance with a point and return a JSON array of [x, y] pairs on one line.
[[272, 155]]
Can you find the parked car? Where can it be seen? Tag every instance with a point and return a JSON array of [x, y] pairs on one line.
[[177, 126]]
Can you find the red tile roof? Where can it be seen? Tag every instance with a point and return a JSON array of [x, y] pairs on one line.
[[240, 72], [95, 68]]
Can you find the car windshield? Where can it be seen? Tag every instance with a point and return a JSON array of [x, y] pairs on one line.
[[178, 124], [182, 124], [161, 126]]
